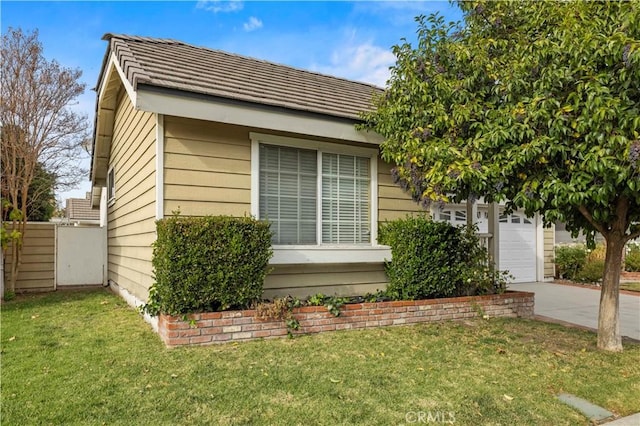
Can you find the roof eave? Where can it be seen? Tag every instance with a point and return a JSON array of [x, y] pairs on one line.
[[112, 80], [179, 103]]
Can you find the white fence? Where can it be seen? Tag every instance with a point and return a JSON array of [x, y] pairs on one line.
[[58, 256]]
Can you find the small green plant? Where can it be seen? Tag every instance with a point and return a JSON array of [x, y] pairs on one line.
[[632, 258], [152, 307], [569, 261], [292, 325], [9, 296], [316, 300], [479, 311], [378, 296], [333, 304], [592, 272]]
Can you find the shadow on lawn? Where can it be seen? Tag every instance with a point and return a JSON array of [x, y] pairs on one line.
[[27, 300]]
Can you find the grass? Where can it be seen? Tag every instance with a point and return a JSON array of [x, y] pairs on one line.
[[87, 358], [633, 286]]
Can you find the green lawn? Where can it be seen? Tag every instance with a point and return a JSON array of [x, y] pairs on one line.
[[87, 358], [633, 286]]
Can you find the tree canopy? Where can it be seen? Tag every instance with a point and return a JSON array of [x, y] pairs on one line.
[[536, 104], [41, 135], [41, 198]]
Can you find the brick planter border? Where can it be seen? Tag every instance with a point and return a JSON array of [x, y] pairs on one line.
[[236, 326]]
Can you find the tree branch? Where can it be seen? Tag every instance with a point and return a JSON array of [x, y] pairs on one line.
[[592, 221], [632, 236]]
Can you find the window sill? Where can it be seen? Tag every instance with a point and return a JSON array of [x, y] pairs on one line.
[[295, 255]]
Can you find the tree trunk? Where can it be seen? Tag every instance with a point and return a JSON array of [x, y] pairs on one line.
[[16, 250], [609, 338]]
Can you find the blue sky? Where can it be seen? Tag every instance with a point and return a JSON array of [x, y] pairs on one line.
[[346, 39]]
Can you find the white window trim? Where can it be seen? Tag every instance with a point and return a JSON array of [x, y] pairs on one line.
[[111, 200], [321, 253]]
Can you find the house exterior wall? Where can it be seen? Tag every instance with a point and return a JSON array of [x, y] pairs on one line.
[[330, 279], [131, 215], [37, 268], [207, 170], [393, 203]]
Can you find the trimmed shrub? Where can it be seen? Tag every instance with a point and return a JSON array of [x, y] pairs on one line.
[[569, 261], [435, 259], [208, 264], [632, 258], [592, 272]]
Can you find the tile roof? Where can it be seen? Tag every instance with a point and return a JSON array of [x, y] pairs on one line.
[[176, 65], [80, 209]]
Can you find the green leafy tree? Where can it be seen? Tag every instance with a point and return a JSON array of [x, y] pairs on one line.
[[41, 201], [533, 103]]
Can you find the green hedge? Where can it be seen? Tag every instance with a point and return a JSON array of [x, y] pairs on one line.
[[208, 264], [570, 260], [435, 259], [632, 259]]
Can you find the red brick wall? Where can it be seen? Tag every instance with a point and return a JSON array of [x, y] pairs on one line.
[[219, 327]]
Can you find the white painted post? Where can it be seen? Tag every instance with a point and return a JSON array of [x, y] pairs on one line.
[[472, 212], [494, 229]]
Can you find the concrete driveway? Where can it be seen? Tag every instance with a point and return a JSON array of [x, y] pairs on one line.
[[579, 306]]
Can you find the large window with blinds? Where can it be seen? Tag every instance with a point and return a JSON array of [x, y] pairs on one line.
[[314, 197]]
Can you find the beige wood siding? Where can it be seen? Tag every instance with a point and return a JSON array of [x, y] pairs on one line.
[[207, 168], [393, 202], [549, 242], [37, 269], [131, 217], [207, 171], [341, 280]]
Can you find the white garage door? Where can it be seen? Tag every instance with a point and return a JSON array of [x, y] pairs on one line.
[[518, 247], [517, 240]]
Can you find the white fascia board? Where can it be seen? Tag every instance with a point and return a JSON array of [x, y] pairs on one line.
[[113, 61], [250, 116], [315, 145], [296, 255], [104, 85]]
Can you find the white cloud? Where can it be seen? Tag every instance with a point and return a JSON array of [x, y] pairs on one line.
[[216, 6], [364, 62], [252, 24]]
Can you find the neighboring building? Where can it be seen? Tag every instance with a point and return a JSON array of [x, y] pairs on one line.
[[189, 129], [564, 237], [78, 211]]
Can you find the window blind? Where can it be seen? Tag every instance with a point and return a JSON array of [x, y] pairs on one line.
[[288, 187], [345, 199]]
